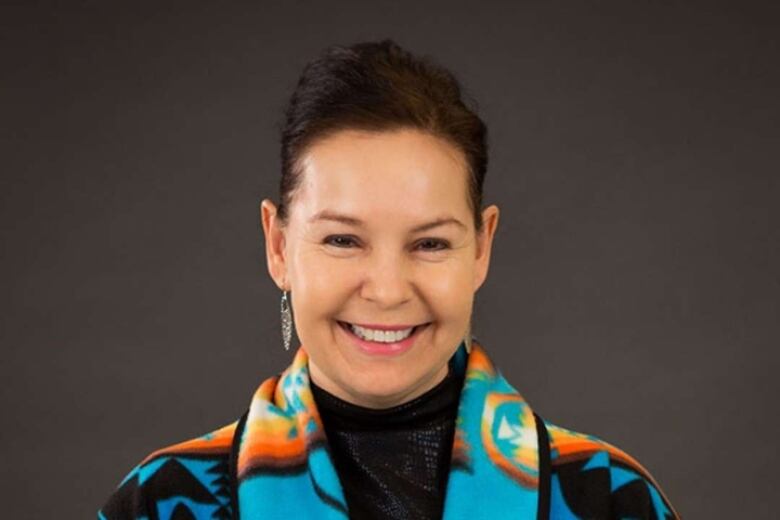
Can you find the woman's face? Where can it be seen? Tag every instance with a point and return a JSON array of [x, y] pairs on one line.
[[380, 234]]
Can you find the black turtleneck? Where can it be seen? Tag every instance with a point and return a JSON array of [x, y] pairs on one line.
[[393, 463]]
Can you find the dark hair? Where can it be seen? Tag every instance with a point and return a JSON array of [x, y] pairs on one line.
[[378, 86]]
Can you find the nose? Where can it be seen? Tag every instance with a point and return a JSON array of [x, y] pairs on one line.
[[387, 280]]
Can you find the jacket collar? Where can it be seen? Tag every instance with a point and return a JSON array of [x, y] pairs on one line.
[[284, 469]]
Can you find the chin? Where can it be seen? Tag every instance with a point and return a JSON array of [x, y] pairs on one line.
[[380, 388]]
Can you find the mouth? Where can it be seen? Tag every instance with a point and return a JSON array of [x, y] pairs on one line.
[[382, 341]]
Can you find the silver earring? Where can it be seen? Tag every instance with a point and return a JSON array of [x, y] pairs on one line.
[[286, 321]]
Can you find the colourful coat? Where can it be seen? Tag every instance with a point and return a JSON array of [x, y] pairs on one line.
[[274, 463]]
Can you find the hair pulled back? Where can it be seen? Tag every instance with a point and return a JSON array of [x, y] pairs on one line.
[[379, 86]]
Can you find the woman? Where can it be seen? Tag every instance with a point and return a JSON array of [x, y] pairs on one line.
[[389, 409]]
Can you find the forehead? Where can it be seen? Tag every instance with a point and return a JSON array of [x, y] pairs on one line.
[[404, 175]]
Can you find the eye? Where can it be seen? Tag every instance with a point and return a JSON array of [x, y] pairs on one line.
[[433, 244], [342, 241]]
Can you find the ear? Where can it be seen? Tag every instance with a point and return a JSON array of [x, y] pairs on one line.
[[485, 244], [274, 244]]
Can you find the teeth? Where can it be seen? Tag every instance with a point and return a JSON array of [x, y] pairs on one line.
[[381, 336]]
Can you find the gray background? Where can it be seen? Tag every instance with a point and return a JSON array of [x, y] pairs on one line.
[[634, 288]]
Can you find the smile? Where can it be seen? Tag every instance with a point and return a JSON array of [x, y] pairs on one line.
[[385, 340]]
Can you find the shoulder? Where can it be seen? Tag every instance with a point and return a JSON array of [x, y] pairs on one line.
[[191, 476], [592, 478]]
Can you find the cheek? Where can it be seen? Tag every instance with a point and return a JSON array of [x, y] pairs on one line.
[[322, 285], [450, 291]]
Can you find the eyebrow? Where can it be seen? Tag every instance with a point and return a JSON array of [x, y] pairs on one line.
[[352, 221]]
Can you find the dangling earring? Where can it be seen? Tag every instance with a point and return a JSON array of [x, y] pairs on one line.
[[467, 339], [286, 321]]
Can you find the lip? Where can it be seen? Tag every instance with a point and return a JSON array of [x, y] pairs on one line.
[[377, 326], [376, 348]]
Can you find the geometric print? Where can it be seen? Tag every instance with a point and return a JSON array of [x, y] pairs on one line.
[[275, 463], [594, 479], [510, 438], [174, 488]]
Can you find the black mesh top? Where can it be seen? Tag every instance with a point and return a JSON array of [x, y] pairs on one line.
[[393, 463]]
